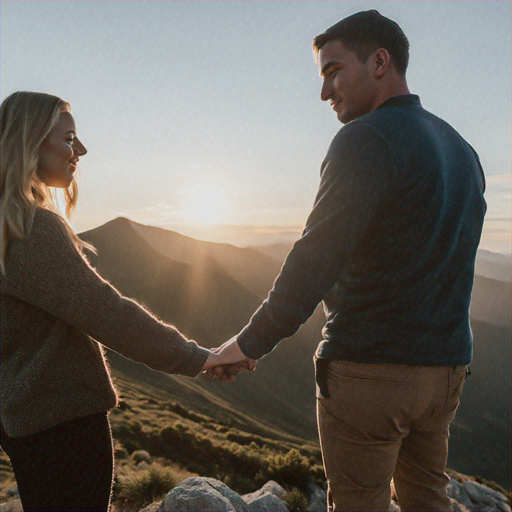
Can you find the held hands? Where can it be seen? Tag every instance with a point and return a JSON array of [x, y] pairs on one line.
[[227, 361]]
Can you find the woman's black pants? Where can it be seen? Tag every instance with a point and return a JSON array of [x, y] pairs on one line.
[[68, 467]]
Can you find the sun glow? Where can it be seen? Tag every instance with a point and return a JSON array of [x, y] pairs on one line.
[[206, 204]]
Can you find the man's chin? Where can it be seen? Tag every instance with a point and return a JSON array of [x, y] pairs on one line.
[[343, 118], [346, 117]]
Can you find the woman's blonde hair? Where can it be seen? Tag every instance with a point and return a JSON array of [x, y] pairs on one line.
[[26, 119]]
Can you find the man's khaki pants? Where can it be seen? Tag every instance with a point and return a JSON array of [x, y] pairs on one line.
[[379, 422]]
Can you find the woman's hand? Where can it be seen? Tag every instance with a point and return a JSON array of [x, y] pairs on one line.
[[227, 361]]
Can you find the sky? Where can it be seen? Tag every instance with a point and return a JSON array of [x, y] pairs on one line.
[[205, 117]]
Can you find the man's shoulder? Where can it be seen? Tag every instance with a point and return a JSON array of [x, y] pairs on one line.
[[354, 132], [397, 124], [400, 118]]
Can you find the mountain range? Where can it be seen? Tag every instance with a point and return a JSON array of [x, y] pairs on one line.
[[210, 290]]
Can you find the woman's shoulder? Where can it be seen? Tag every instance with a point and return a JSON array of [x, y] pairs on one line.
[[45, 219], [45, 215], [46, 238], [48, 229]]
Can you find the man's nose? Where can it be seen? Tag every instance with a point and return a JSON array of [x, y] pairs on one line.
[[326, 91], [79, 148]]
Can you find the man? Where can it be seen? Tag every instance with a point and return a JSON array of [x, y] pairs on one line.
[[389, 247]]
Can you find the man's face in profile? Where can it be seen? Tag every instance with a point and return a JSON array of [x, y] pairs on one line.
[[348, 83]]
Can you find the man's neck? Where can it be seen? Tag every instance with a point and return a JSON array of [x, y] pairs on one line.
[[396, 88]]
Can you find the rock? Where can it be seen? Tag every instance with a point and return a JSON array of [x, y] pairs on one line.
[[263, 501], [228, 493], [154, 507], [197, 494], [317, 499], [456, 491], [486, 498], [458, 507], [11, 506], [274, 488]]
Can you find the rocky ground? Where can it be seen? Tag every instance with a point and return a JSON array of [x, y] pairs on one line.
[[199, 494]]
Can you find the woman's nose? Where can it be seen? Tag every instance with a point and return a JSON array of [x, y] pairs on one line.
[[79, 147]]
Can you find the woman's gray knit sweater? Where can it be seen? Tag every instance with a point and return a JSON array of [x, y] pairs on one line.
[[54, 307]]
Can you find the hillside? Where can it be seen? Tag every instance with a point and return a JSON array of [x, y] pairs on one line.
[[493, 265], [206, 303], [480, 434], [209, 291], [251, 268]]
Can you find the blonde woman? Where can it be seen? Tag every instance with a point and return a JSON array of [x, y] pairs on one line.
[[55, 385]]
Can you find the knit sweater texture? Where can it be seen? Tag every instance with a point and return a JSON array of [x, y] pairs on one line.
[[389, 246], [56, 311]]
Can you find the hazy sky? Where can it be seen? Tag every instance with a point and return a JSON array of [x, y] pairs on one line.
[[198, 112]]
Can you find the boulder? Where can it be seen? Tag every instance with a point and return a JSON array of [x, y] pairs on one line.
[[486, 498], [458, 507], [317, 499], [275, 489], [197, 494], [456, 491], [263, 501]]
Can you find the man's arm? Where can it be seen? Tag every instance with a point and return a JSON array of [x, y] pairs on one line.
[[356, 182]]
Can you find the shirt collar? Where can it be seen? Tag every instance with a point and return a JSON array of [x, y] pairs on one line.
[[403, 99]]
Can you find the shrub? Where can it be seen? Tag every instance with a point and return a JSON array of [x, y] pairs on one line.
[[141, 488], [141, 456], [318, 474], [290, 470], [120, 452], [186, 413], [130, 434], [242, 438], [296, 501]]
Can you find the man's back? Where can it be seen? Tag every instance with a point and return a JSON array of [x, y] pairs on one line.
[[404, 290]]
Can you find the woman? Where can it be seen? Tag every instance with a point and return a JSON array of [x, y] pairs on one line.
[[55, 385]]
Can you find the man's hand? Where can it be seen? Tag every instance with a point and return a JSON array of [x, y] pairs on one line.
[[227, 361]]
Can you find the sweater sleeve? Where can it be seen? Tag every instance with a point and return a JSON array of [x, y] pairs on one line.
[[46, 270], [355, 181]]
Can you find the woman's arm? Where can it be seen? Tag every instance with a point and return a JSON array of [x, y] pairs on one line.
[[46, 270]]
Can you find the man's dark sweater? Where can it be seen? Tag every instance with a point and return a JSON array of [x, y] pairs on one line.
[[390, 245]]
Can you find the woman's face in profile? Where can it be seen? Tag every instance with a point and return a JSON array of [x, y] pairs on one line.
[[59, 154]]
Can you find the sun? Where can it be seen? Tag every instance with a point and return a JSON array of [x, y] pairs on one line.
[[206, 204]]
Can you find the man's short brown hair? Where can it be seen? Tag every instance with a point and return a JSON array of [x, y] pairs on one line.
[[364, 33]]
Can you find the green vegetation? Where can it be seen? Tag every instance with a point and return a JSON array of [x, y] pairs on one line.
[[140, 488], [290, 470], [159, 442], [141, 456], [207, 446], [296, 500]]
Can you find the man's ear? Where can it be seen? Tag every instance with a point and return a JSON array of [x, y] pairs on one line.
[[382, 61]]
